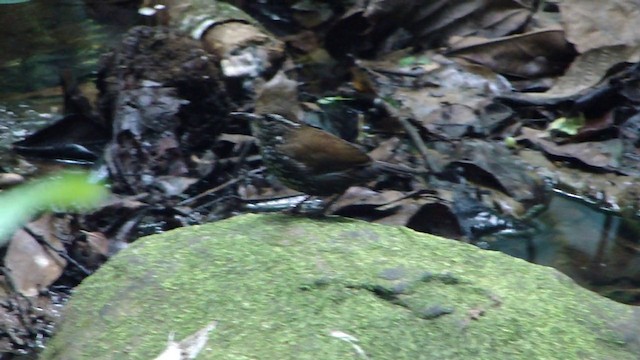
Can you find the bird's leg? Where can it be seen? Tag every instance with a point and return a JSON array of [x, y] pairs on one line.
[[330, 201], [314, 212], [298, 208]]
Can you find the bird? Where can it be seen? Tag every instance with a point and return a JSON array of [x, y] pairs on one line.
[[305, 158]]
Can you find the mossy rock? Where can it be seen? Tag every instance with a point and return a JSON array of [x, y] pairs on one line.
[[280, 286]]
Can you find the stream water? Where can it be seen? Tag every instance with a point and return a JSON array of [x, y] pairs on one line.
[[597, 248]]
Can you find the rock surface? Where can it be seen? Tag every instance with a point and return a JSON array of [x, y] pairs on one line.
[[284, 287]]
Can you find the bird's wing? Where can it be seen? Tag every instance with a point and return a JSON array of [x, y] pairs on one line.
[[323, 152]]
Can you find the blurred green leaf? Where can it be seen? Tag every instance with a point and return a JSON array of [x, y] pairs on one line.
[[413, 60], [511, 142], [396, 104], [569, 126], [66, 191]]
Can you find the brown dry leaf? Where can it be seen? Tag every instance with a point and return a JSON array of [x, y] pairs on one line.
[[589, 69], [33, 267], [388, 207], [593, 24], [175, 185], [98, 242], [492, 165], [532, 55], [451, 121], [379, 26], [613, 191], [94, 250], [408, 207], [604, 34], [443, 96], [602, 154], [358, 195]]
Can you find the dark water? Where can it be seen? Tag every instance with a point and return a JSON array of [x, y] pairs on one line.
[[40, 39], [598, 249]]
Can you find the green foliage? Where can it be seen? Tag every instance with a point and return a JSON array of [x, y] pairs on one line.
[[66, 191], [396, 104], [511, 142], [413, 61], [327, 100], [569, 126]]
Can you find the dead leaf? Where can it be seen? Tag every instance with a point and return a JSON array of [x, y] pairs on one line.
[[592, 24], [190, 347], [33, 266], [531, 55], [604, 155]]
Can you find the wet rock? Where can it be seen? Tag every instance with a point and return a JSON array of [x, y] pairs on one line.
[[282, 287]]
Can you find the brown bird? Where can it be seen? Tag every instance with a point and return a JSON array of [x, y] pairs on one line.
[[311, 160], [305, 158]]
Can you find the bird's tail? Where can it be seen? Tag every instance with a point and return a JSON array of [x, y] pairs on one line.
[[399, 169]]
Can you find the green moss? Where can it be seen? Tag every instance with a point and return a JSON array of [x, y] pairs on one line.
[[279, 285]]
